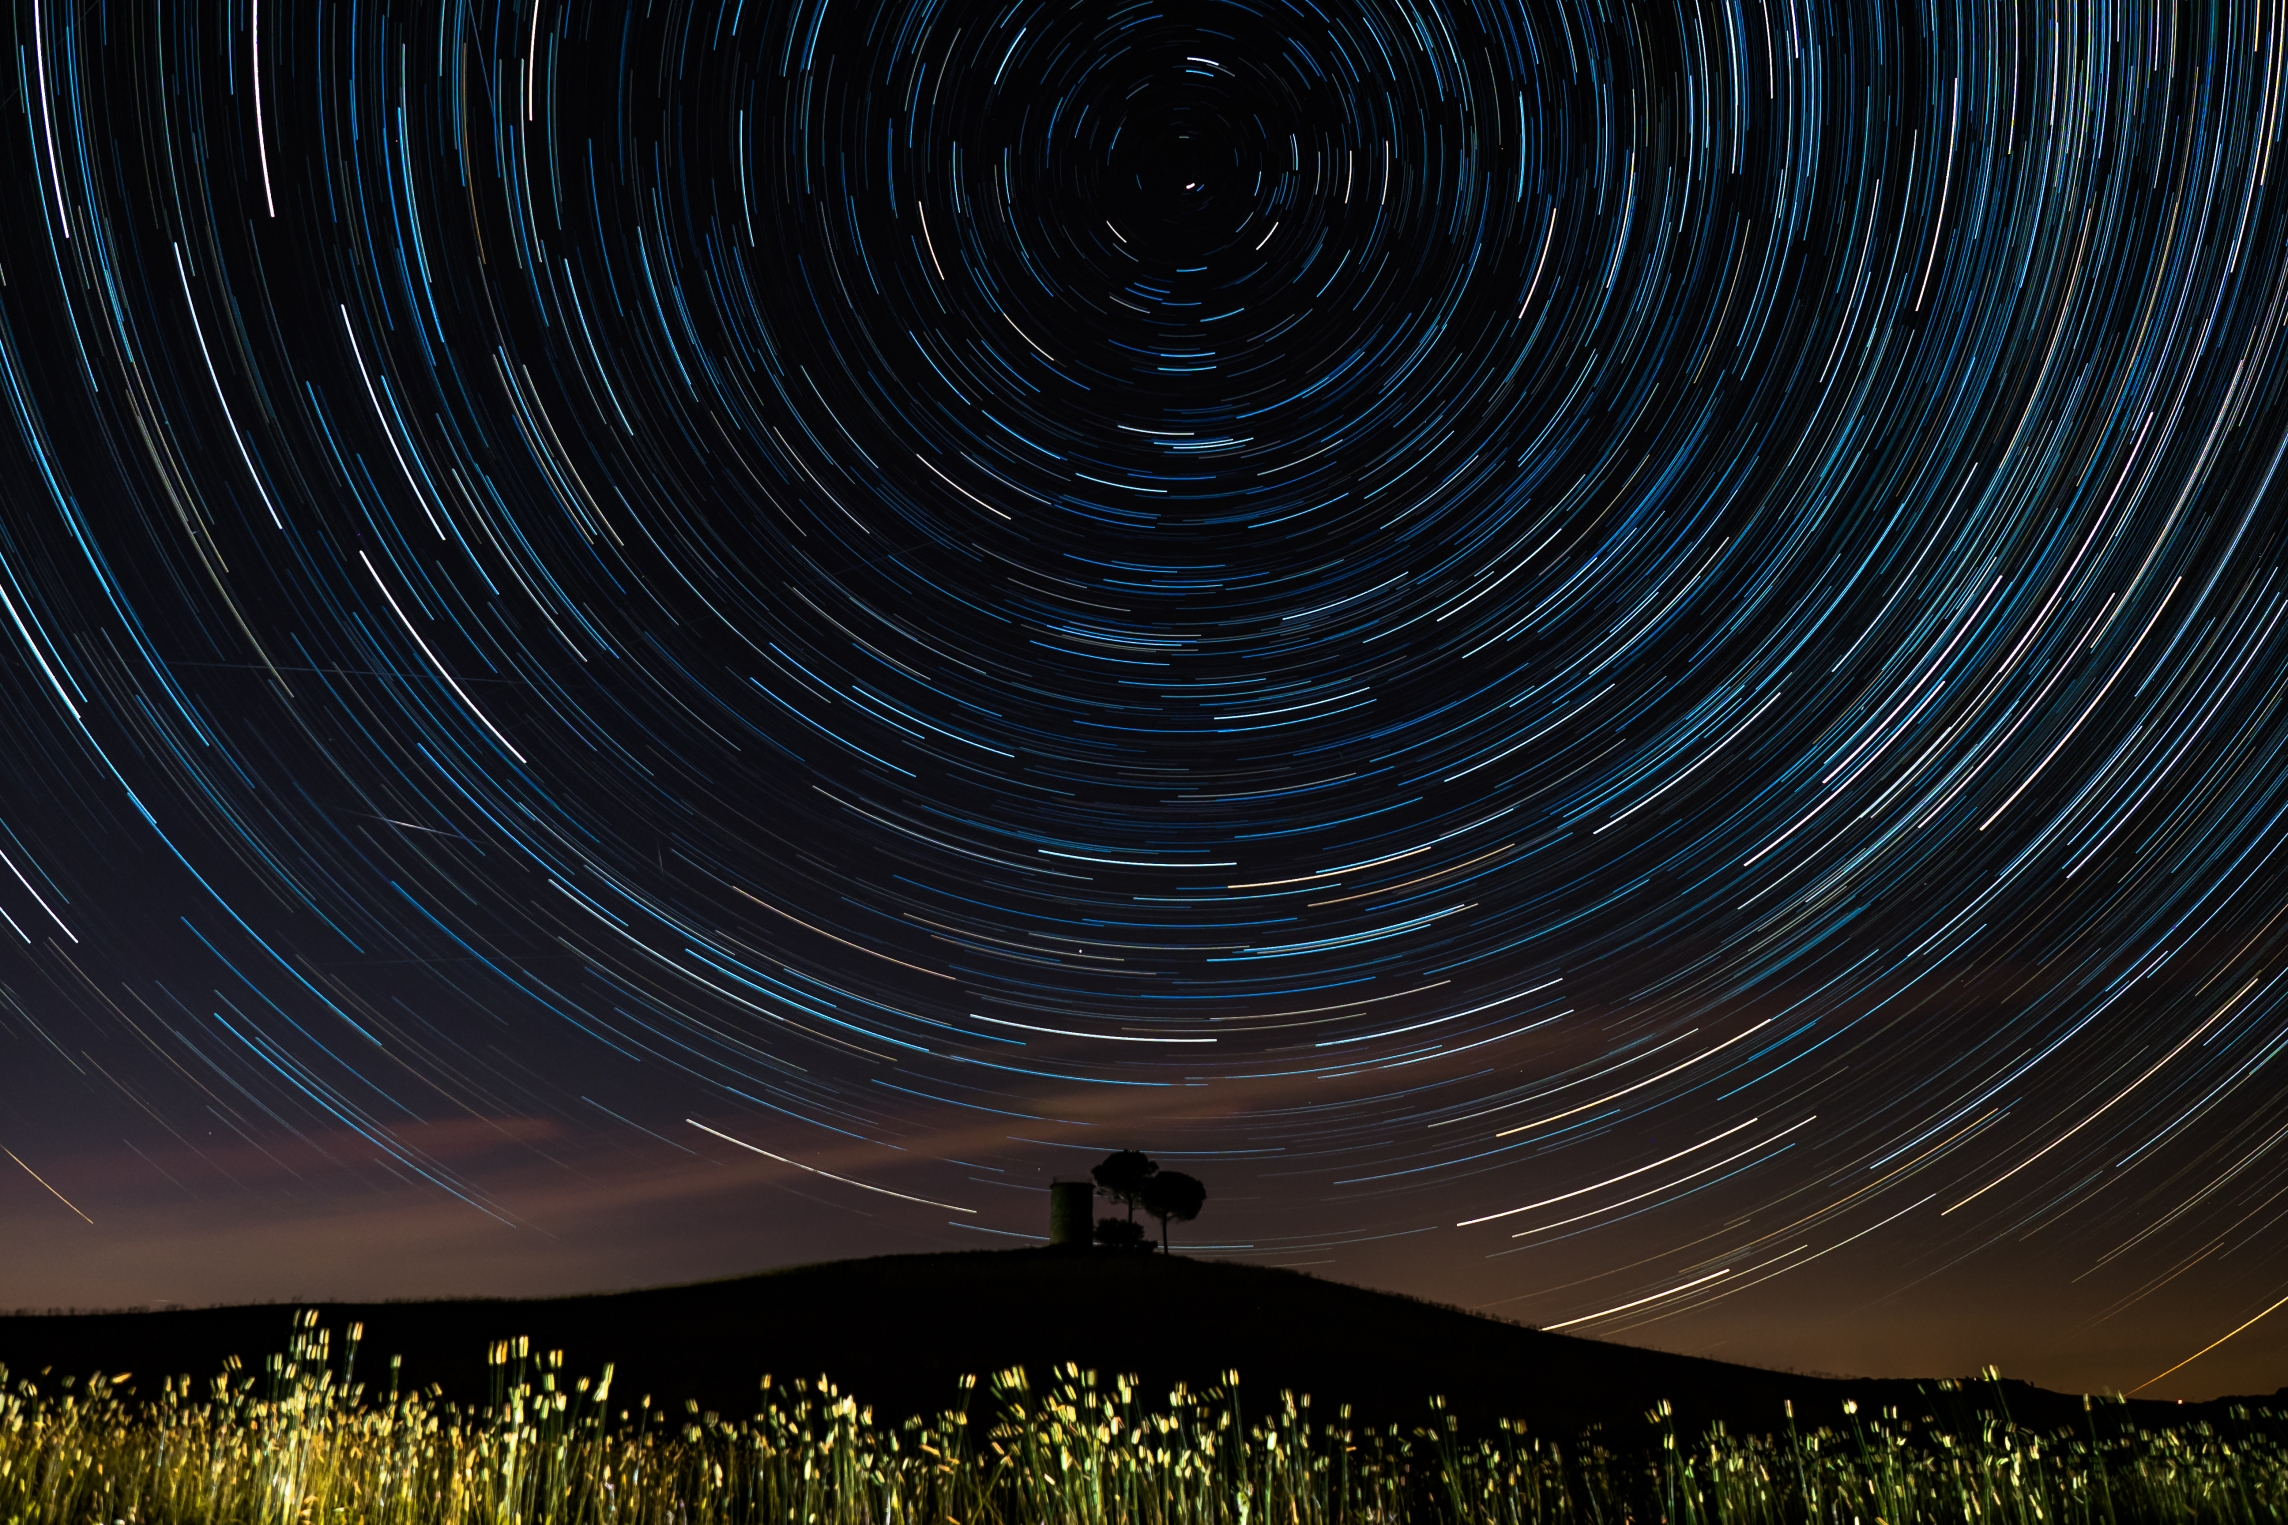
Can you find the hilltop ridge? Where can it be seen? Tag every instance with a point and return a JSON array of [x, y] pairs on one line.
[[897, 1331]]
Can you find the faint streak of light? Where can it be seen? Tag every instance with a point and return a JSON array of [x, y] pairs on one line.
[[2181, 1365], [1028, 338], [432, 656], [931, 244], [199, 331], [1640, 1085], [261, 137], [1066, 1032], [965, 492], [846, 942], [388, 433], [51, 910], [47, 116], [1668, 1186], [1615, 1180], [2101, 1111], [814, 1170], [1687, 773], [1640, 1302], [1548, 237], [2085, 714], [639, 1127], [90, 1222]]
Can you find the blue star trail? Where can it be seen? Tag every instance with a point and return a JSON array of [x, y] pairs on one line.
[[1654, 628]]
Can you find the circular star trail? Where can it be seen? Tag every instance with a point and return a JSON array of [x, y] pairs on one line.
[[1653, 628]]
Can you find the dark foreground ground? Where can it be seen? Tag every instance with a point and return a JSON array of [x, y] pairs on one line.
[[898, 1331]]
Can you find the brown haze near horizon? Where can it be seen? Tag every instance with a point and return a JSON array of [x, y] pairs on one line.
[[590, 1219]]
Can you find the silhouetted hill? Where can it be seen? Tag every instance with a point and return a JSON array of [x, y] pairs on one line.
[[898, 1330]]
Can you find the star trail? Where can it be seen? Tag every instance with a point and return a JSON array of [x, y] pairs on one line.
[[1620, 653]]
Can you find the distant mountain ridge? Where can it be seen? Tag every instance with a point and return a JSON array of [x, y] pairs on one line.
[[898, 1331]]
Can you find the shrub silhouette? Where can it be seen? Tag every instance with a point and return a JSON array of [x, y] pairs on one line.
[[1172, 1194], [1120, 1234]]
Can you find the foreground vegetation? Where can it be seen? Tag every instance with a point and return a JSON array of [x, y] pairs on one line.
[[304, 1442]]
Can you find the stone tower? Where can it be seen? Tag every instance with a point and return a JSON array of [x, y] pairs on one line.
[[1072, 1214]]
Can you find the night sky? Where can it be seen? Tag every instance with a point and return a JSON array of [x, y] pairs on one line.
[[1622, 663]]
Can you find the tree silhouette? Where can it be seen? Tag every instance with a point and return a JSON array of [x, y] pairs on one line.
[[1172, 1194], [1122, 1176]]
